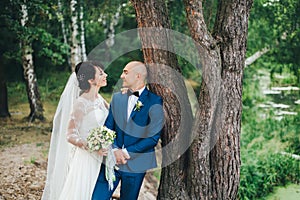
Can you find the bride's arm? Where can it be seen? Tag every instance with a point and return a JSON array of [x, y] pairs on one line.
[[73, 135]]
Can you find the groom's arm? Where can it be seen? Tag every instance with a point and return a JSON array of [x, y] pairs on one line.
[[110, 123], [153, 130]]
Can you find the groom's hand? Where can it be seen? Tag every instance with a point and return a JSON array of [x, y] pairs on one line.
[[120, 157]]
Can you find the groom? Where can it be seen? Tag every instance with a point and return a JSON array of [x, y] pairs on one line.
[[137, 117]]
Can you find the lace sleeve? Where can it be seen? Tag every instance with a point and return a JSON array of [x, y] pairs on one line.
[[73, 134]]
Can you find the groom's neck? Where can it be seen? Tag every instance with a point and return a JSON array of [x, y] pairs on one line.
[[138, 87]]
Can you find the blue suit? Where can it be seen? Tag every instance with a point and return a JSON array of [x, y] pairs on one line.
[[139, 135]]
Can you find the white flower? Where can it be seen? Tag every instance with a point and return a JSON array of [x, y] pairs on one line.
[[138, 105], [100, 137]]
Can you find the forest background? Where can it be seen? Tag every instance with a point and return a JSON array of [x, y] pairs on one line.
[[270, 141]]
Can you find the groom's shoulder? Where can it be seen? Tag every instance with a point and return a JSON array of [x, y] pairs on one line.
[[118, 95], [154, 96]]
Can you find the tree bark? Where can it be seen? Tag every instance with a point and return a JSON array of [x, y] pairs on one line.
[[219, 122], [36, 106], [65, 31], [232, 27], [165, 79], [75, 47], [3, 100], [211, 168], [204, 124], [4, 112], [82, 34]]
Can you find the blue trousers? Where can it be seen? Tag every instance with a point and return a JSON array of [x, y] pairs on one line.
[[130, 185]]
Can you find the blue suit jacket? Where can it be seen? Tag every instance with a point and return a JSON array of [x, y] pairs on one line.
[[140, 133]]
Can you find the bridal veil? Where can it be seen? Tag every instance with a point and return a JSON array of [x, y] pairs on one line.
[[60, 149]]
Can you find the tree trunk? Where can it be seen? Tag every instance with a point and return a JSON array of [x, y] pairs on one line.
[[218, 125], [82, 34], [232, 27], [165, 79], [3, 100], [75, 47], [65, 32], [36, 106], [3, 92], [110, 22], [199, 177]]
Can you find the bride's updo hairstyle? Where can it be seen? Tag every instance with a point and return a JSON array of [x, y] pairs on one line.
[[85, 71]]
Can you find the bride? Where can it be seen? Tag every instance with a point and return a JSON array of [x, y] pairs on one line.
[[73, 170]]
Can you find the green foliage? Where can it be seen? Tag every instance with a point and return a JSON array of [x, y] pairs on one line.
[[265, 135], [289, 133], [177, 16], [32, 160], [16, 93], [259, 179], [50, 47], [263, 167], [52, 86], [283, 75], [251, 88], [45, 38], [275, 24]]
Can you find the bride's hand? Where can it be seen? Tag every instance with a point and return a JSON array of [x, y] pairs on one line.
[[81, 143], [124, 90], [102, 152]]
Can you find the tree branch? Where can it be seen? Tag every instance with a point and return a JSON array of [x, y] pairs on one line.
[[256, 56]]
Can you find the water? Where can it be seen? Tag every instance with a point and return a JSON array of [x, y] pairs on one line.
[[284, 99]]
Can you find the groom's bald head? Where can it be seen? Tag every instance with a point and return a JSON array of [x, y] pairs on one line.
[[134, 75], [138, 67]]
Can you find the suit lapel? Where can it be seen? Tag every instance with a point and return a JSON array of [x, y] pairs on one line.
[[143, 99], [123, 108]]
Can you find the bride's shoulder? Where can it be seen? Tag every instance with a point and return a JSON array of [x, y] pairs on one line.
[[80, 101]]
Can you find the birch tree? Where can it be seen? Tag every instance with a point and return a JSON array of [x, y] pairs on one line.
[[75, 47], [65, 32], [78, 50], [82, 34], [36, 106]]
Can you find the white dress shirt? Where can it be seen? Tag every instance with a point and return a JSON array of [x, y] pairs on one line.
[[132, 99]]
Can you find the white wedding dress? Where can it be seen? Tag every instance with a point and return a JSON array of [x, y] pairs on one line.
[[72, 172], [84, 166]]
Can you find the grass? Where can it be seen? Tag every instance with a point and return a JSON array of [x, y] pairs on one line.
[[288, 192], [32, 160]]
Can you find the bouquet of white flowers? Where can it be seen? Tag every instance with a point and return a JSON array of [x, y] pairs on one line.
[[100, 137]]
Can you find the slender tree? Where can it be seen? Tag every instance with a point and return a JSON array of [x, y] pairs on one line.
[[78, 49], [36, 106], [4, 112], [65, 32], [75, 47], [82, 33]]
